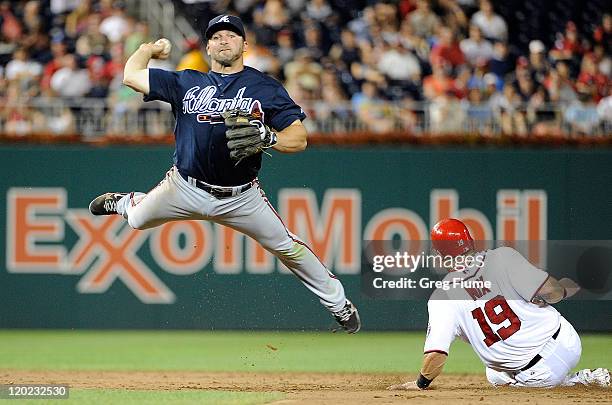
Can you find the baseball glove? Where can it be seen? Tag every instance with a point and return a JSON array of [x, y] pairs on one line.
[[246, 135]]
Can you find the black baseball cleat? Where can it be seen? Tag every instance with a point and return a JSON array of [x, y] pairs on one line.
[[105, 204], [348, 318]]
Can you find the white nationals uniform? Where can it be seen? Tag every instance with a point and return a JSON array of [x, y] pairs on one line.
[[500, 323]]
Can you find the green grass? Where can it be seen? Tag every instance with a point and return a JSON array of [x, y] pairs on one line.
[[243, 351], [231, 351], [162, 397]]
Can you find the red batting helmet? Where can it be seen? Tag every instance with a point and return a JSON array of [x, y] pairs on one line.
[[451, 237]]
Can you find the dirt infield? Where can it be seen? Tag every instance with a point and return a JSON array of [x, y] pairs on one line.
[[314, 388]]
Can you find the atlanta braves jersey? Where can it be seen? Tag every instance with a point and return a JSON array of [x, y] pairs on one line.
[[197, 101], [489, 307]]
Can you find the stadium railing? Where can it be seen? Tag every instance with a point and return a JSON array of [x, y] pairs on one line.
[[92, 119]]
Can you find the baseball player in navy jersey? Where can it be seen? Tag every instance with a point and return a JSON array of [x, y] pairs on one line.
[[507, 319], [225, 119]]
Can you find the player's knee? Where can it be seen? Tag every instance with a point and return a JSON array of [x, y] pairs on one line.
[[289, 251], [135, 222]]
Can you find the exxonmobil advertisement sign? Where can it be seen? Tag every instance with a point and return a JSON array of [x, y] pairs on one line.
[[108, 251]]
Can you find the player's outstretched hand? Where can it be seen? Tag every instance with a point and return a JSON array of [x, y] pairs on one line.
[[407, 386]]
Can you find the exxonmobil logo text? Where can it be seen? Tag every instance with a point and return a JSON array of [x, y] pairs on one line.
[[107, 250]]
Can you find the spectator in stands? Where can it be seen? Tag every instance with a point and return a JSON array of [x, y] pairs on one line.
[[106, 8], [524, 85], [603, 33], [115, 27], [424, 22], [475, 48], [31, 18], [362, 24], [460, 83], [63, 6], [93, 36], [492, 25], [70, 80], [138, 34], [61, 123], [347, 49], [438, 83], [501, 64], [285, 49], [602, 60], [559, 84], [478, 114], [274, 15], [413, 42], [6, 50], [9, 24], [367, 69], [454, 16], [386, 46], [124, 104], [507, 108], [37, 44], [19, 118], [446, 114], [334, 109], [264, 34], [567, 46], [313, 41], [59, 51], [446, 50], [77, 20], [399, 64], [260, 57], [604, 111], [114, 67], [303, 75], [193, 57], [541, 118], [22, 69], [373, 111], [318, 10], [492, 85], [385, 16], [582, 115], [522, 68], [538, 64], [591, 81]]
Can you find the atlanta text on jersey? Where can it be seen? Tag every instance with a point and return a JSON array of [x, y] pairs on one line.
[[202, 100]]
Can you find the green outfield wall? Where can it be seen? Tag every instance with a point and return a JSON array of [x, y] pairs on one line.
[[63, 268]]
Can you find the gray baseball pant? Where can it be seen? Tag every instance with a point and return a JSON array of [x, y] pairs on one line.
[[249, 212]]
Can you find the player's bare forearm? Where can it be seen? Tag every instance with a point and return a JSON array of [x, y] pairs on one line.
[[292, 139], [433, 363], [553, 291], [135, 72]]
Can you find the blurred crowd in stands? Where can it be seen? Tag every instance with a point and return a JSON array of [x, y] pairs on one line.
[[444, 66]]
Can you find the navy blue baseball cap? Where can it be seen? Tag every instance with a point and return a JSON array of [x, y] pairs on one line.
[[225, 22]]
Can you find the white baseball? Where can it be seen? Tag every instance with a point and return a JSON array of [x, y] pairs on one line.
[[167, 47]]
